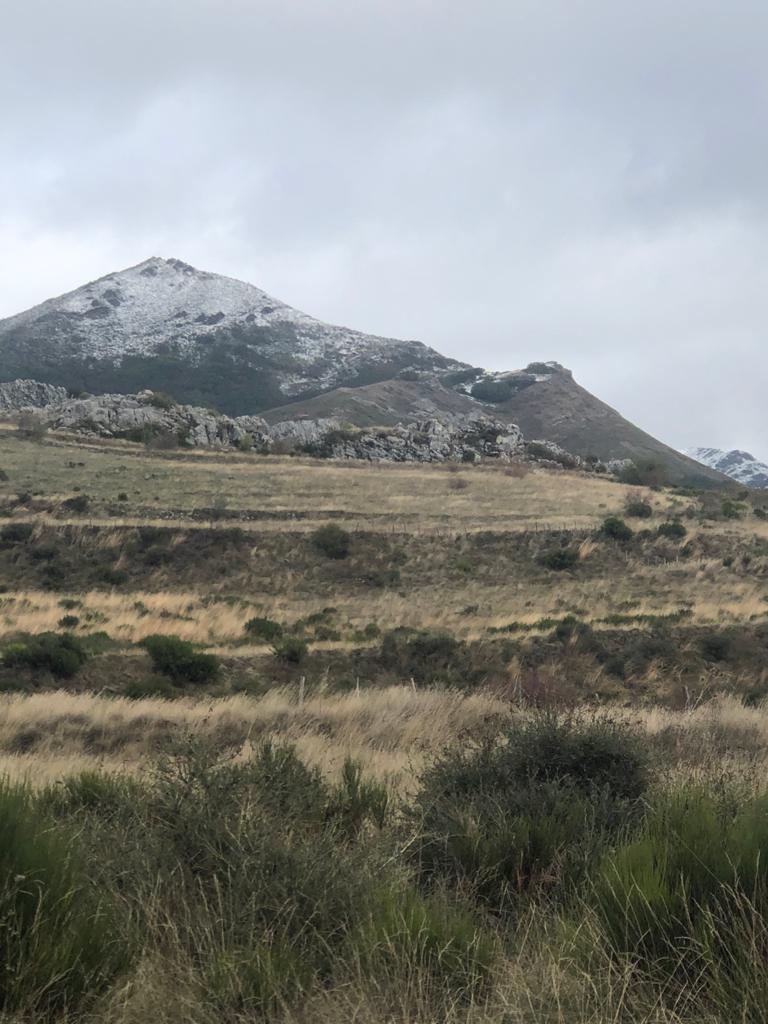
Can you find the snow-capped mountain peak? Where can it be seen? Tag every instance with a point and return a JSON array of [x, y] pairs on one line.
[[205, 337], [740, 466]]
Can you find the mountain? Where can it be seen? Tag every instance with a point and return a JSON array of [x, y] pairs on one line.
[[212, 341], [204, 338], [543, 400], [738, 465]]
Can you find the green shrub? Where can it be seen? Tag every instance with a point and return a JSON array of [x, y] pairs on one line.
[[357, 800], [178, 659], [16, 533], [60, 944], [68, 622], [616, 529], [673, 530], [526, 808], [78, 504], [262, 629], [559, 559], [731, 509], [332, 541], [716, 646], [673, 897], [62, 654], [292, 650], [113, 577], [638, 508], [648, 472], [424, 655]]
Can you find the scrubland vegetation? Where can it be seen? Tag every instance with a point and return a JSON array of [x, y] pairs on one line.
[[308, 742]]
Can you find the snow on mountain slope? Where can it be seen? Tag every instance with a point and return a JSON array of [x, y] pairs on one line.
[[738, 465], [227, 342]]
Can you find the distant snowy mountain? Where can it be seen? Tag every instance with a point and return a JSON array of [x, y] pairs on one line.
[[203, 337], [740, 466]]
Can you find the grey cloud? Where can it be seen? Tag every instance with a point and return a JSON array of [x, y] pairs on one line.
[[504, 180]]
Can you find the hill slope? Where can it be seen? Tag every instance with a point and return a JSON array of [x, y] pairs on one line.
[[548, 405], [204, 338]]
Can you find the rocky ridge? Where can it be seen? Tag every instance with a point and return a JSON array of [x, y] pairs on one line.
[[156, 420]]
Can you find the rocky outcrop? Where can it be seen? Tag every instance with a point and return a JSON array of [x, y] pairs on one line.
[[147, 417], [153, 418], [20, 394], [425, 441]]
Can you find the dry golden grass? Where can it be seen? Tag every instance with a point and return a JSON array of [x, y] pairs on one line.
[[417, 495], [390, 731]]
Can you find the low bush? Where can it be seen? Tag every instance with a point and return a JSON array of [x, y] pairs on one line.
[[16, 533], [527, 808], [616, 529], [638, 508], [178, 659], [421, 654], [78, 504], [559, 559], [332, 541], [673, 530], [292, 650], [62, 654], [265, 630]]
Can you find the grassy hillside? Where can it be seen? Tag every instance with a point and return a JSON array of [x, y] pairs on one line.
[[290, 740]]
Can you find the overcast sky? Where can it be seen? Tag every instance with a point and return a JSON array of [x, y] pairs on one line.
[[506, 180]]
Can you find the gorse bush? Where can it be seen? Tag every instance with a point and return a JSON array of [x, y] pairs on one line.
[[559, 559], [332, 541], [262, 629], [292, 650], [424, 655], [61, 654], [527, 807], [16, 533], [178, 659], [673, 530], [638, 508], [616, 529]]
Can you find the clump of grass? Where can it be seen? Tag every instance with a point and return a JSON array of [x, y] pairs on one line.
[[61, 943]]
